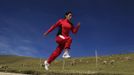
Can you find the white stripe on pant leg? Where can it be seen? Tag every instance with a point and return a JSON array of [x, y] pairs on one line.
[[61, 36]]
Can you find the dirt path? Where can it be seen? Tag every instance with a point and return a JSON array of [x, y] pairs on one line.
[[4, 73]]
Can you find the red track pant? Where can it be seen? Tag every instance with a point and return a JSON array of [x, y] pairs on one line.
[[62, 44]]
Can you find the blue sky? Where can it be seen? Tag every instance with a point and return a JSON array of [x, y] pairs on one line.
[[106, 26]]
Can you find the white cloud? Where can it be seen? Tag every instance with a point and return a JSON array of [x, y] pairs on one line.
[[4, 45], [20, 46], [17, 37], [25, 51]]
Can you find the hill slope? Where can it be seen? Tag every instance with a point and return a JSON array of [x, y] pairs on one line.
[[115, 64]]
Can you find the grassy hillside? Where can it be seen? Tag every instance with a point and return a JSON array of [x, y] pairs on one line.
[[107, 65]]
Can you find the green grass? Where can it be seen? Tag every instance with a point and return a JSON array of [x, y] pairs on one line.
[[123, 65]]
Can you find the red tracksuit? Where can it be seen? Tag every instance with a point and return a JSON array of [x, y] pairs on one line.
[[65, 27]]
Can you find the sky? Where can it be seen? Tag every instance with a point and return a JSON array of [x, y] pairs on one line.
[[106, 26]]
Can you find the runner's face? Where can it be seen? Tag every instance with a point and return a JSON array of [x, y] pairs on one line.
[[69, 16]]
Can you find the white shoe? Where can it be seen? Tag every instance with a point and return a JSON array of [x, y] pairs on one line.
[[46, 65], [66, 55]]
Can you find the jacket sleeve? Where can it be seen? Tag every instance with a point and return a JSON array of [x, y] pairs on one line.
[[75, 29], [58, 23]]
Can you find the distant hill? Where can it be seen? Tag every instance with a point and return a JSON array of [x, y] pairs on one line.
[[122, 64]]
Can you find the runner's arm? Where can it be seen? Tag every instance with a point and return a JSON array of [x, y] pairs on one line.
[[58, 23], [75, 29]]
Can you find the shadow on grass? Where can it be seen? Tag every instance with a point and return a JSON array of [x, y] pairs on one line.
[[22, 72], [62, 72], [79, 73]]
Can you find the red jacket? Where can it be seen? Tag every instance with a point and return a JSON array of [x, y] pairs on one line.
[[65, 27]]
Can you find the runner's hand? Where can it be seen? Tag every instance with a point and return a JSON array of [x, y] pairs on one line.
[[45, 34], [78, 24]]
